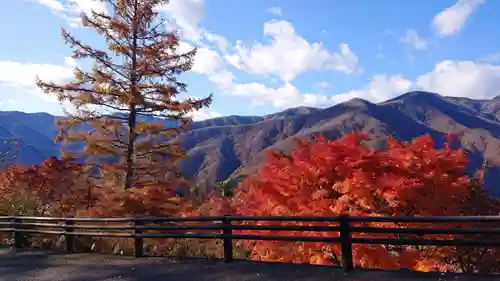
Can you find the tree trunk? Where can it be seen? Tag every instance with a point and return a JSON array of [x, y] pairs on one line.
[[129, 172]]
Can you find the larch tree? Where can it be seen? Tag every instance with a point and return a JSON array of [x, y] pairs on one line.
[[135, 79]]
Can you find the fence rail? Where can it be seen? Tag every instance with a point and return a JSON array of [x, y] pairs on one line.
[[19, 225]]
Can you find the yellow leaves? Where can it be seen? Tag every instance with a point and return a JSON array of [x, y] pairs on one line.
[[319, 259], [72, 122], [148, 128], [118, 28], [118, 49], [120, 6], [424, 266], [101, 88]]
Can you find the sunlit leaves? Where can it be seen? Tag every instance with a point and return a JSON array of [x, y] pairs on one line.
[[58, 186], [327, 178], [135, 76]]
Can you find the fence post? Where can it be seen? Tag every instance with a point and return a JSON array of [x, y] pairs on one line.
[[227, 230], [68, 234], [138, 241], [18, 236], [345, 242]]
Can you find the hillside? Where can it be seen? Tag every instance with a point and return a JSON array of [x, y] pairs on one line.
[[235, 145], [228, 151]]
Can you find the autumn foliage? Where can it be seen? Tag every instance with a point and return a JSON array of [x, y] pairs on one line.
[[120, 138], [127, 166], [319, 177], [62, 187], [328, 178], [135, 78], [57, 187]]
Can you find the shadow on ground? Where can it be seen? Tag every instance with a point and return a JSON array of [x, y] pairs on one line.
[[45, 266]]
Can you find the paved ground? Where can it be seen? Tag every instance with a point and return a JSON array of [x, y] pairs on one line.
[[39, 266]]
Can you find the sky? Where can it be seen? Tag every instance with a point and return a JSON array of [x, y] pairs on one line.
[[262, 56]]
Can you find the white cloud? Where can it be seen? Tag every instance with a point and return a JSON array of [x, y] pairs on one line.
[[207, 61], [274, 11], [210, 63], [289, 55], [219, 40], [183, 15], [186, 15], [411, 38], [283, 97], [490, 58], [87, 6], [184, 47], [452, 19], [380, 88], [470, 79], [52, 4], [321, 85], [69, 61], [70, 10], [462, 79], [21, 75], [203, 114], [223, 79]]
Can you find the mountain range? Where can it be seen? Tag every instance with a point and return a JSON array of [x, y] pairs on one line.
[[233, 146]]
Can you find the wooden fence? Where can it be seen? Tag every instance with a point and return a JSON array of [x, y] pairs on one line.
[[71, 227]]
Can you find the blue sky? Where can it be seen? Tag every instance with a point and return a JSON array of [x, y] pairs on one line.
[[262, 56]]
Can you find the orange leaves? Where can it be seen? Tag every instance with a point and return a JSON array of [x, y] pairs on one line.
[[148, 200], [323, 177], [319, 259], [137, 76], [61, 187], [119, 28], [56, 184]]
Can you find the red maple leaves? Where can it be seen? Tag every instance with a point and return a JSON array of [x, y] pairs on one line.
[[327, 178], [319, 178], [57, 186]]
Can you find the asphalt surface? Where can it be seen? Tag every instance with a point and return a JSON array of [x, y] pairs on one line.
[[43, 266]]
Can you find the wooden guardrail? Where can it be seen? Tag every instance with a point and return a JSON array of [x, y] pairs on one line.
[[71, 227]]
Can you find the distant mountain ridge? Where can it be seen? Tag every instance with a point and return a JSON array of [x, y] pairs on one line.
[[235, 145], [36, 131]]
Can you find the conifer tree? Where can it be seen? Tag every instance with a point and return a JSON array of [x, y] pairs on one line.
[[135, 79]]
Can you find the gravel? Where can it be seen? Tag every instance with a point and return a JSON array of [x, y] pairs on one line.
[[45, 266]]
